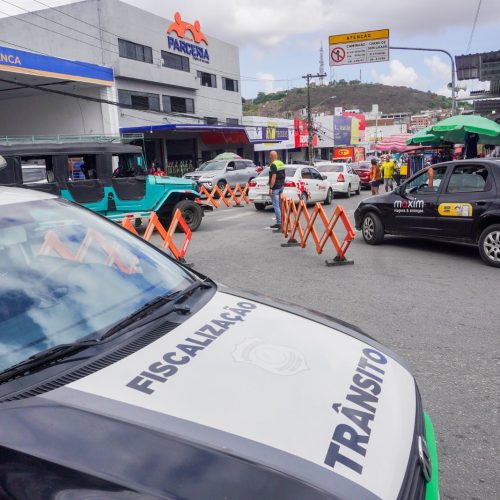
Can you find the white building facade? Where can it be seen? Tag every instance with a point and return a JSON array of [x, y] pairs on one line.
[[172, 81]]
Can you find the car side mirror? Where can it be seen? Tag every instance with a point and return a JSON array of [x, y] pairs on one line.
[[229, 167], [324, 177]]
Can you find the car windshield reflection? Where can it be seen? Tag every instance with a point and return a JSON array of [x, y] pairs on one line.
[[67, 275]]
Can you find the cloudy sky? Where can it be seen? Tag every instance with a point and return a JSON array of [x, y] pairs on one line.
[[279, 40]]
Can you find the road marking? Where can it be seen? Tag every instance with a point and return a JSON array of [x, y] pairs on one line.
[[237, 216]]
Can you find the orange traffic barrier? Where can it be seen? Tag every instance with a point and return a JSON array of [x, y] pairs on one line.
[[167, 235], [298, 231], [236, 195], [127, 224]]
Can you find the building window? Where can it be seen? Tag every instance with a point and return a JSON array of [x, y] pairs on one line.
[[141, 100], [135, 51], [232, 121], [207, 79], [175, 61], [210, 120], [228, 84], [172, 104]]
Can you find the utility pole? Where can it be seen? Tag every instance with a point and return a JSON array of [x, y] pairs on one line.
[[310, 149]]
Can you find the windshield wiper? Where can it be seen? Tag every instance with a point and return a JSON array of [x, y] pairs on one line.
[[155, 304], [62, 350], [44, 357]]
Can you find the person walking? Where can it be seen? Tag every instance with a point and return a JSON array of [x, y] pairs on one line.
[[276, 185], [388, 168], [375, 176]]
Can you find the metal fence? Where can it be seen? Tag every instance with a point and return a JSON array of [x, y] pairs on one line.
[[178, 170]]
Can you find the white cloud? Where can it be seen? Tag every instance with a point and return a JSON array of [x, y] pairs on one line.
[[260, 22], [268, 82], [438, 67], [399, 75]]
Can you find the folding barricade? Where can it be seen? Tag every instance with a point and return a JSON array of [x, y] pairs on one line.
[[298, 234], [234, 196]]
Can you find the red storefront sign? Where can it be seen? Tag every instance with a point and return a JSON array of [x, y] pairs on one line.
[[301, 134]]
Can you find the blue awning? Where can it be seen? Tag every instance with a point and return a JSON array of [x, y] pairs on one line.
[[30, 63]]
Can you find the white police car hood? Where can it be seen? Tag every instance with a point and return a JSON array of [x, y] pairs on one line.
[[278, 381]]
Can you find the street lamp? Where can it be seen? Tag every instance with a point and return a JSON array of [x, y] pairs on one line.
[[311, 158], [326, 99]]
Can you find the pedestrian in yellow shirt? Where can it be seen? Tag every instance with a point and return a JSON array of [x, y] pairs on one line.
[[388, 168]]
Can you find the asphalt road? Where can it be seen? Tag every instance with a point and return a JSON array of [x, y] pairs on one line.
[[435, 304]]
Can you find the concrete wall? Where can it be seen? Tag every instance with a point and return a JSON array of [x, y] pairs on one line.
[[50, 114]]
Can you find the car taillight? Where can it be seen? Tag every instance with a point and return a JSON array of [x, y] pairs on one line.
[[340, 178], [252, 184], [259, 169], [290, 184]]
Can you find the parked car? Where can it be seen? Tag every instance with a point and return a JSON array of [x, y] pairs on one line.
[[341, 177], [108, 178], [362, 168], [222, 172], [302, 183], [455, 201], [124, 375]]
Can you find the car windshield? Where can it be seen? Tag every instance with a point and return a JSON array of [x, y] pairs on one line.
[[289, 172], [330, 168], [214, 165], [68, 275]]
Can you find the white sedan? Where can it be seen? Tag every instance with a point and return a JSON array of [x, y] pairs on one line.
[[302, 183], [342, 178]]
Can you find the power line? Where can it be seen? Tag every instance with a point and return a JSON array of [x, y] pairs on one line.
[[157, 60], [75, 18], [100, 39], [17, 18], [474, 25]]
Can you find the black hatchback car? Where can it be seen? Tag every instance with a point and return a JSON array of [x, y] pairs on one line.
[[456, 201]]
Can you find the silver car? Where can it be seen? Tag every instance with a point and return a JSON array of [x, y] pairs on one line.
[[222, 172]]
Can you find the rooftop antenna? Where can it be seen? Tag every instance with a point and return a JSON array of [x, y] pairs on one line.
[[321, 65]]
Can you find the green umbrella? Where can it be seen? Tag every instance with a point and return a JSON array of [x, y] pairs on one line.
[[424, 137], [454, 129], [228, 156]]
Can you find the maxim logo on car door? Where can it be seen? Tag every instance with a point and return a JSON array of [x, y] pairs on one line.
[[409, 206]]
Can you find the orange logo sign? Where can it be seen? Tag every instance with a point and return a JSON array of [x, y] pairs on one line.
[[180, 27]]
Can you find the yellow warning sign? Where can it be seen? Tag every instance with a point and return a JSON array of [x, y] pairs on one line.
[[362, 36], [455, 209]]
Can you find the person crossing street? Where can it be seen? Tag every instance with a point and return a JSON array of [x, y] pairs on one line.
[[276, 185], [388, 168]]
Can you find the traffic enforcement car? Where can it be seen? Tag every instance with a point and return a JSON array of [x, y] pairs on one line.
[[302, 182], [125, 375], [456, 201]]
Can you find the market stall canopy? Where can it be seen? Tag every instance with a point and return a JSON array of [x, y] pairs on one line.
[[396, 143], [455, 128], [227, 156], [425, 137]]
